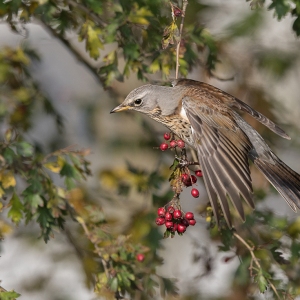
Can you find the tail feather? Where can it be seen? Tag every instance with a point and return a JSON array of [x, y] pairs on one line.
[[285, 180]]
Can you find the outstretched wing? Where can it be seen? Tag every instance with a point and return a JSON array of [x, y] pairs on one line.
[[222, 149], [232, 102]]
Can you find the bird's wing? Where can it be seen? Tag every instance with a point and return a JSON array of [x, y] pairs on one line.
[[232, 102], [223, 155]]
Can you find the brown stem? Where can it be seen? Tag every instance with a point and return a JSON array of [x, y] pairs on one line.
[[255, 260], [184, 5], [97, 249]]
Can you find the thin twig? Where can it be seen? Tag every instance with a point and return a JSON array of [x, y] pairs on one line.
[[249, 248], [97, 249], [255, 261], [184, 5]]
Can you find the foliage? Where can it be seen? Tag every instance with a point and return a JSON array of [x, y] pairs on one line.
[[281, 9], [46, 188], [11, 295]]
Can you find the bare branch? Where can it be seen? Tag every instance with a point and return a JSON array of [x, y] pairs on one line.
[[184, 5]]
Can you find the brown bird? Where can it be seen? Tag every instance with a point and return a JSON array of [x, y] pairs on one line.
[[204, 117]]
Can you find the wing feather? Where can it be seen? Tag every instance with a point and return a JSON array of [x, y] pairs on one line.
[[223, 154]]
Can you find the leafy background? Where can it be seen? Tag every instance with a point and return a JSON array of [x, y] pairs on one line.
[[63, 66]]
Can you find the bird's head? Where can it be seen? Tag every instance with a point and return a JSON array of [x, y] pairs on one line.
[[142, 99]]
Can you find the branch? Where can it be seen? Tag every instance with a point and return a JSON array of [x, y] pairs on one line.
[[97, 249], [96, 18], [184, 5], [75, 52], [255, 261]]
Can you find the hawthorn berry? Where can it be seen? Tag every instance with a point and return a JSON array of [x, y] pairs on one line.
[[185, 222], [161, 212], [174, 228], [198, 173], [171, 209], [160, 221], [181, 228], [192, 222], [189, 215], [173, 144], [193, 178], [195, 193], [177, 12], [169, 224], [168, 216], [167, 136], [140, 257], [180, 143], [163, 146], [185, 178], [177, 214]]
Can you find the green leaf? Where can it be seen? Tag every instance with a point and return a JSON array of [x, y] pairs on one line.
[[131, 51], [296, 26], [68, 171], [70, 184], [9, 155], [11, 295], [114, 284], [15, 213], [281, 8], [24, 149], [261, 280], [90, 34]]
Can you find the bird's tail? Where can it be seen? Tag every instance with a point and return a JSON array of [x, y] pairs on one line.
[[285, 180]]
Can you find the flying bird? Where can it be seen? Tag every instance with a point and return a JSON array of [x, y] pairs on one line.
[[205, 118]]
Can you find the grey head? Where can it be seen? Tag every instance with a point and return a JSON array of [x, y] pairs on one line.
[[148, 97]]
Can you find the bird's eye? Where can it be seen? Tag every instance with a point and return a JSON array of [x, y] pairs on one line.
[[138, 102]]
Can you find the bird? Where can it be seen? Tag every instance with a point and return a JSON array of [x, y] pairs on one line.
[[207, 119]]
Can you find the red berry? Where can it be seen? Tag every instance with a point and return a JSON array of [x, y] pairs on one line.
[[169, 224], [174, 228], [171, 209], [189, 215], [195, 193], [181, 228], [193, 178], [186, 179], [160, 221], [180, 144], [177, 12], [192, 222], [168, 216], [177, 214], [161, 212], [140, 257], [163, 147], [185, 222], [173, 144], [167, 136], [198, 173]]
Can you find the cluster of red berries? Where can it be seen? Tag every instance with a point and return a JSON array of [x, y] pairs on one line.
[[174, 219], [172, 144], [189, 180]]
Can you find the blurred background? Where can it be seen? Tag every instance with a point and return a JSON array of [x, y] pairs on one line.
[[257, 61]]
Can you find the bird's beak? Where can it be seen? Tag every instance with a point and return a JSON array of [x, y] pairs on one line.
[[119, 108]]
